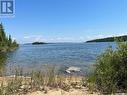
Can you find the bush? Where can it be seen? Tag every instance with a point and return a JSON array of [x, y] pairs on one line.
[[110, 74]]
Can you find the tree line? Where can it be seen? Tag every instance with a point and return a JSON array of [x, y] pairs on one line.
[[6, 42], [110, 39]]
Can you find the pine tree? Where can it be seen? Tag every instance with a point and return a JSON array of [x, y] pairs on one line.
[[2, 34], [15, 43], [6, 43], [9, 40], [1, 29]]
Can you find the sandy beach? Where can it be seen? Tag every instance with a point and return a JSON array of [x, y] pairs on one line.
[[75, 89]]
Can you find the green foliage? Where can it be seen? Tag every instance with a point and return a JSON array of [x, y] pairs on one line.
[[110, 74], [6, 43], [110, 39], [3, 58]]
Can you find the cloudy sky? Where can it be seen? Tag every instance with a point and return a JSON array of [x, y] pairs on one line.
[[66, 20]]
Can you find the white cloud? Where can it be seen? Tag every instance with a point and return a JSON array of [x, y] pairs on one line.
[[13, 38], [26, 37], [65, 39], [33, 38]]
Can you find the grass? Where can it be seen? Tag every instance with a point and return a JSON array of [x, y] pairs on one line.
[[39, 80]]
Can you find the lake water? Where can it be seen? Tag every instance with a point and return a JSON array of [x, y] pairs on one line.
[[34, 57]]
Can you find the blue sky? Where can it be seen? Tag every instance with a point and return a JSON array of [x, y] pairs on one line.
[[66, 20]]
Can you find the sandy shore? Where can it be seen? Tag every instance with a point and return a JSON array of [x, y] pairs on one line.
[[61, 92], [79, 90]]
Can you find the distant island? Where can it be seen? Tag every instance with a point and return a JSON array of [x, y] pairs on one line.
[[109, 39], [38, 43]]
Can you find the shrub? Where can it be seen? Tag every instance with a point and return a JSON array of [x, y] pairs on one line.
[[110, 74]]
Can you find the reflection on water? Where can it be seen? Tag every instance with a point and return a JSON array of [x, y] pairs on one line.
[[3, 58]]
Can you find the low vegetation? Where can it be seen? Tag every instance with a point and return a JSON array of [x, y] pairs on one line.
[[37, 81], [110, 75]]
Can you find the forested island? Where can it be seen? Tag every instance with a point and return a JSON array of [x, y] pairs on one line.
[[38, 43], [109, 39], [6, 42]]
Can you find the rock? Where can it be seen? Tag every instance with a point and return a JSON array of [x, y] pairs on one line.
[[25, 86], [73, 69]]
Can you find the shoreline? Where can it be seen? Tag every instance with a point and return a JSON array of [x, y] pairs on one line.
[[71, 86], [21, 85]]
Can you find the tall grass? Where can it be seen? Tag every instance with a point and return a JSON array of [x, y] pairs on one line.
[[37, 80]]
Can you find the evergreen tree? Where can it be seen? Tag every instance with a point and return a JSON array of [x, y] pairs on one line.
[[2, 34], [9, 40], [6, 43], [15, 43]]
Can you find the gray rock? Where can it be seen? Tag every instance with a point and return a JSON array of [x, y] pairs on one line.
[[73, 69]]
